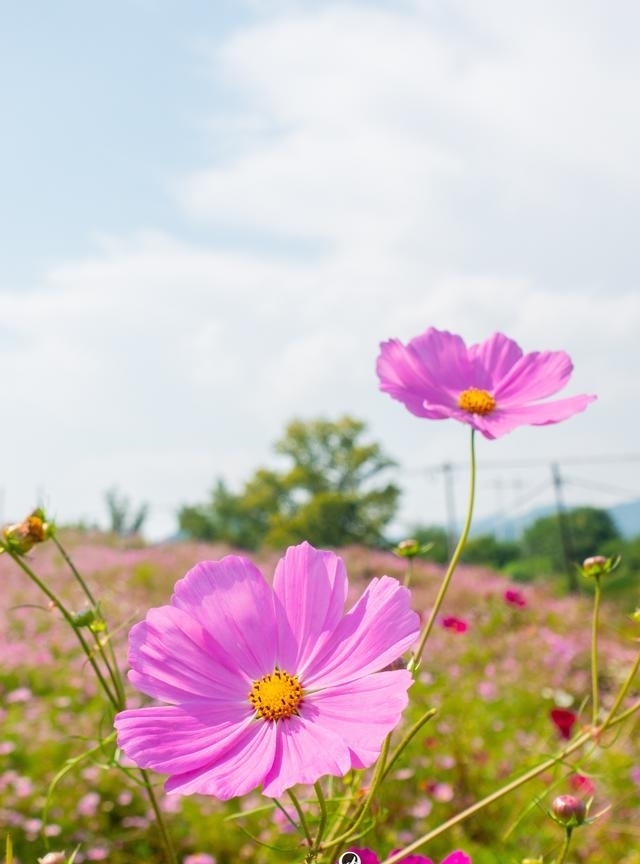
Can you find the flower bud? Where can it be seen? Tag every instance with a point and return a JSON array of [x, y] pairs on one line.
[[23, 536], [410, 548], [568, 810], [598, 565]]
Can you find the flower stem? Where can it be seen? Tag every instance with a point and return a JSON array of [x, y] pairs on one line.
[[594, 651], [110, 662], [165, 837], [565, 845], [57, 602], [454, 559], [323, 814], [301, 817]]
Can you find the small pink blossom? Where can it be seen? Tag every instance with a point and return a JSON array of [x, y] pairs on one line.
[[582, 784], [515, 598], [492, 386]]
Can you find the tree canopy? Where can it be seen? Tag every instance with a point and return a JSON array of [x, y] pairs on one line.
[[330, 493]]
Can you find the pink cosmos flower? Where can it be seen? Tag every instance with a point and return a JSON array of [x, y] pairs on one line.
[[492, 386], [269, 686], [368, 856]]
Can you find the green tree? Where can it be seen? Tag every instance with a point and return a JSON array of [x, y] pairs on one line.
[[488, 550], [585, 531], [330, 493], [122, 520]]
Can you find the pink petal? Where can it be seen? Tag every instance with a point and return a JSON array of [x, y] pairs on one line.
[[535, 376], [233, 601], [379, 629], [175, 659], [305, 751], [173, 740], [500, 422], [311, 588], [405, 375], [203, 752], [241, 768], [361, 713], [496, 356]]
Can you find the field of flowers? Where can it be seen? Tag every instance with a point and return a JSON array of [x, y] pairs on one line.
[[507, 670]]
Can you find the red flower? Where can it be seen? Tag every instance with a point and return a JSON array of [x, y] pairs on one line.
[[455, 624], [564, 721]]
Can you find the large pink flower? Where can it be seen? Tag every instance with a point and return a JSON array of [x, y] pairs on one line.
[[492, 386], [267, 686]]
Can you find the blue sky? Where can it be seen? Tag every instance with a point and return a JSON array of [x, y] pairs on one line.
[[211, 215]]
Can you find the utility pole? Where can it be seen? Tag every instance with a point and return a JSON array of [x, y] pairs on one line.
[[565, 531]]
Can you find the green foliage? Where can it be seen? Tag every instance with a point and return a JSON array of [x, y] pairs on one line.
[[486, 549], [587, 530], [327, 494]]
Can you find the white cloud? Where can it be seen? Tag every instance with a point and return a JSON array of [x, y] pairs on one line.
[[386, 169]]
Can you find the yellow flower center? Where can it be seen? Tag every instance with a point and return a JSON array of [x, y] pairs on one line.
[[277, 695], [476, 401]]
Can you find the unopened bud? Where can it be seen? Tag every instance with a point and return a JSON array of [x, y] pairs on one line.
[[598, 565], [411, 548], [23, 536], [568, 810]]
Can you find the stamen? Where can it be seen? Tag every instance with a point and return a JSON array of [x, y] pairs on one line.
[[476, 401], [276, 696]]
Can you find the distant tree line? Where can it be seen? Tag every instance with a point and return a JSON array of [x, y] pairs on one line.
[[333, 490]]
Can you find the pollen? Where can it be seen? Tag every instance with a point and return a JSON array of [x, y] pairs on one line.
[[476, 401], [276, 696]]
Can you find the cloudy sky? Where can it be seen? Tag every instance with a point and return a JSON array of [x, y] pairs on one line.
[[212, 213]]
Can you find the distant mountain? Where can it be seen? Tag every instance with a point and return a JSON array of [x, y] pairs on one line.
[[625, 515]]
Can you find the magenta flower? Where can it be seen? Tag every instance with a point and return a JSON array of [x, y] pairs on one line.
[[267, 686], [492, 386], [515, 598], [368, 856], [458, 625]]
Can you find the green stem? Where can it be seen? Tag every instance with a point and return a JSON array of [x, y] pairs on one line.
[[406, 740], [323, 815], [167, 845], [301, 817], [110, 662], [594, 652], [57, 602], [623, 691], [454, 558], [361, 811], [76, 573], [565, 846]]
